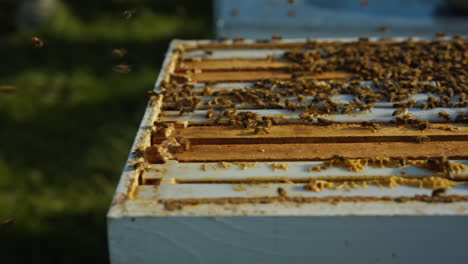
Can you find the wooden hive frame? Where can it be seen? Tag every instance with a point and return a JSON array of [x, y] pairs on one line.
[[187, 163]]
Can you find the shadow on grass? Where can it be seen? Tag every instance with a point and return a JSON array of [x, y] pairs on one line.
[[71, 238]]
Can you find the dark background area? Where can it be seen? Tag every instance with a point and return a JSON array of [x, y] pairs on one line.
[[67, 128]]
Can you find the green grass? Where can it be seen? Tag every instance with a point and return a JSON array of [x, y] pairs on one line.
[[67, 130]]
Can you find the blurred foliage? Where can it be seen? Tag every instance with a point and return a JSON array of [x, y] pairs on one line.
[[67, 130]]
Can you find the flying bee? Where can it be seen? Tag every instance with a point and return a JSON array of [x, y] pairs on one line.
[[119, 53], [37, 42], [128, 15], [122, 68], [208, 52], [445, 116]]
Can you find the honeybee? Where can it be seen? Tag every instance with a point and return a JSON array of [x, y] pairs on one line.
[[422, 139], [282, 192], [411, 103], [276, 37], [261, 130], [260, 103], [366, 107], [291, 2], [348, 108], [127, 15], [421, 124], [238, 39], [208, 52], [187, 145], [37, 42], [290, 106], [119, 53], [325, 122], [438, 192], [445, 116], [400, 111], [152, 93], [122, 68], [139, 152], [222, 39], [210, 113], [368, 124]]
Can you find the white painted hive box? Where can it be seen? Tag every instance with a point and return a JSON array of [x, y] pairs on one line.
[[332, 151]]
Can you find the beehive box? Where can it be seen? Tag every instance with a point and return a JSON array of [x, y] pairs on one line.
[[334, 151]]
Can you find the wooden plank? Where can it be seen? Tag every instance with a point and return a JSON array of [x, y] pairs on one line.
[[289, 43], [243, 76], [203, 135], [339, 99], [234, 64], [376, 115], [233, 54], [297, 171], [197, 191], [297, 152]]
